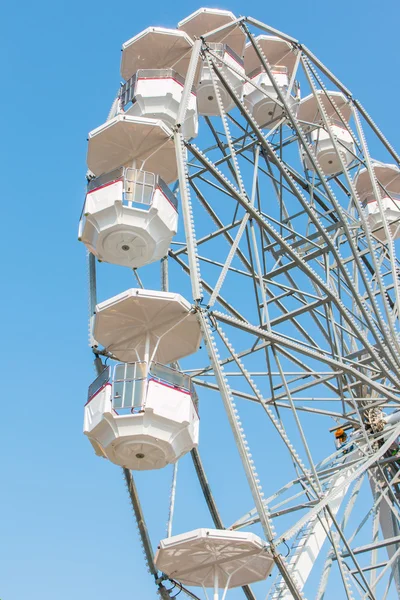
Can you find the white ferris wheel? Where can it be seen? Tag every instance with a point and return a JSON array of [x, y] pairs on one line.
[[252, 205]]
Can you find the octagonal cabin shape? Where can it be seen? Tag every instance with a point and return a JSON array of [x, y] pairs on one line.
[[215, 558], [136, 142], [157, 93], [154, 64], [129, 217], [147, 325], [262, 101], [143, 418], [156, 48], [227, 45], [313, 126], [388, 183], [206, 20]]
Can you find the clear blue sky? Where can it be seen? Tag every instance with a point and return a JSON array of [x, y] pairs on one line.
[[66, 531]]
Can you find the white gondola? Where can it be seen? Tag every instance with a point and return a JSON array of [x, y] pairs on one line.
[[154, 64], [157, 93], [227, 45], [133, 142], [215, 558], [142, 419], [207, 103], [388, 183], [129, 218], [319, 137], [264, 103], [145, 418]]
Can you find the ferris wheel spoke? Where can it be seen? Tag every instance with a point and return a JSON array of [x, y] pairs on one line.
[[337, 207], [243, 449], [223, 148], [352, 188], [286, 342], [194, 267], [326, 571], [390, 245], [215, 218], [227, 305], [365, 464], [290, 252], [274, 421]]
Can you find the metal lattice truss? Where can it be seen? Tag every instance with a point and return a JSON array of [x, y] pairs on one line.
[[298, 302]]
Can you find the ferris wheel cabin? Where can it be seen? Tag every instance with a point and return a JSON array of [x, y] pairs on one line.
[[154, 64], [129, 217], [320, 138], [227, 48], [143, 417], [388, 186], [260, 95]]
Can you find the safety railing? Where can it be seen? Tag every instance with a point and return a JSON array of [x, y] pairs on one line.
[[219, 49], [173, 378], [128, 386], [138, 186], [129, 89], [129, 383], [99, 383], [95, 183], [170, 376]]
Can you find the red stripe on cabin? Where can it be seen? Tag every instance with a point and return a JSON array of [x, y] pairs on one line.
[[104, 186], [98, 392]]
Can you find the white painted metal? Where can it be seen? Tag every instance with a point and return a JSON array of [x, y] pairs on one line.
[[264, 106], [205, 556], [389, 528], [125, 139], [306, 296], [281, 56], [331, 101], [392, 418], [165, 428], [207, 103], [388, 177], [320, 139], [277, 52], [158, 95], [309, 541], [156, 48], [123, 323], [129, 221], [205, 20], [324, 151]]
